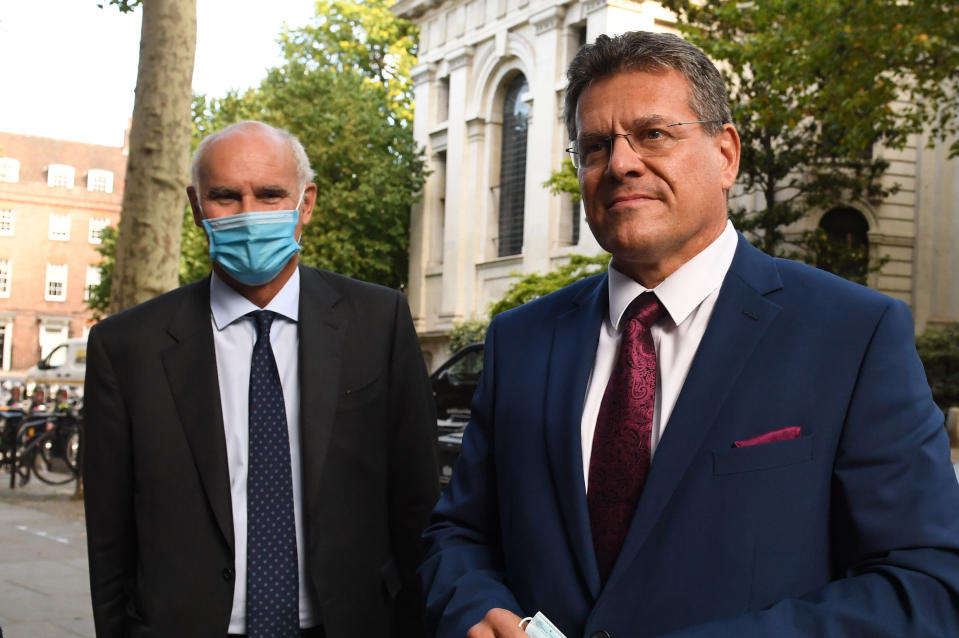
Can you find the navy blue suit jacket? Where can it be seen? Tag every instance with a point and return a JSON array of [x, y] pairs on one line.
[[850, 530]]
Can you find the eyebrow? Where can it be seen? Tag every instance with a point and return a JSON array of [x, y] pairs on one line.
[[271, 191], [649, 120], [645, 121], [266, 192], [222, 192]]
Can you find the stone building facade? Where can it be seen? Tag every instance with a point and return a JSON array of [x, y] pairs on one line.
[[56, 197], [489, 91]]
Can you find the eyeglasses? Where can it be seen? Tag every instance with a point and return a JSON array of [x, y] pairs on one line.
[[592, 151]]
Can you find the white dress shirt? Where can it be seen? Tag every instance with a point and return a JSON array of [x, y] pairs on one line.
[[689, 295], [233, 337]]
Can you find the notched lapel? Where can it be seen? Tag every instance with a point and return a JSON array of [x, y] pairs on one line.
[[322, 327], [740, 318], [571, 358], [190, 366]]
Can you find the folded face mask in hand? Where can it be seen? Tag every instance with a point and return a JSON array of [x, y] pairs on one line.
[[539, 626]]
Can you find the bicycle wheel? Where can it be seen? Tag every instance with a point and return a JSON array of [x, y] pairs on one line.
[[48, 466], [71, 452]]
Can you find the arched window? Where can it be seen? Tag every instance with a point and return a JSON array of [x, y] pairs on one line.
[[512, 176], [843, 247], [846, 226]]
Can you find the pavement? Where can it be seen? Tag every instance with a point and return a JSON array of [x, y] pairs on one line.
[[44, 587]]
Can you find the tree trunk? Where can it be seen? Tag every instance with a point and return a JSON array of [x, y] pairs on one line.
[[148, 240]]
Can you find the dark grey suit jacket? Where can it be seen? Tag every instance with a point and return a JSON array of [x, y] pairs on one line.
[[159, 518]]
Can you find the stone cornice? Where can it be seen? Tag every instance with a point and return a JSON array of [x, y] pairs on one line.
[[413, 9], [548, 19], [459, 58], [476, 129], [422, 73], [593, 5]]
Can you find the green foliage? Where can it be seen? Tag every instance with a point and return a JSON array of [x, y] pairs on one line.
[[535, 285], [467, 332], [125, 6], [829, 253], [194, 250], [565, 180], [194, 262], [938, 348], [817, 85], [345, 92], [98, 300]]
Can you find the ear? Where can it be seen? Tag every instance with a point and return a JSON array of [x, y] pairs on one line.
[[309, 201], [729, 149], [195, 205]]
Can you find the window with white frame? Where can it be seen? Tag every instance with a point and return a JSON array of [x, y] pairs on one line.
[[60, 175], [4, 278], [97, 224], [7, 219], [56, 287], [93, 280], [9, 169], [59, 227], [100, 181]]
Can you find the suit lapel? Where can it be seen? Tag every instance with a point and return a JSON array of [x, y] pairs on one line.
[[571, 358], [322, 326], [190, 366], [739, 320]]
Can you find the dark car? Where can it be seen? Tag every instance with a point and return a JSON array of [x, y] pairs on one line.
[[454, 383]]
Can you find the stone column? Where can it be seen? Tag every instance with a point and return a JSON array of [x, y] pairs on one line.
[[457, 268], [422, 76]]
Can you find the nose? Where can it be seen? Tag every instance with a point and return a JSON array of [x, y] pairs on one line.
[[249, 203], [623, 158]]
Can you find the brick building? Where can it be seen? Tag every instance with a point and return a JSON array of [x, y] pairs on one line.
[[55, 199]]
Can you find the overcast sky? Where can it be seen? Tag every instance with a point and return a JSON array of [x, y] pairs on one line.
[[69, 68]]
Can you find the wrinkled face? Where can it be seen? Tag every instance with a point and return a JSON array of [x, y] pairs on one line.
[[654, 209], [251, 169]]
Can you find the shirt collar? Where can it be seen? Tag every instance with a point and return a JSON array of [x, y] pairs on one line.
[[685, 289], [228, 305]]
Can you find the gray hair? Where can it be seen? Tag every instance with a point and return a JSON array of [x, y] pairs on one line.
[[650, 52], [304, 173]]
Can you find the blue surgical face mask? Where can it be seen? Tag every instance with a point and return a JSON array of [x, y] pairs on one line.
[[253, 247]]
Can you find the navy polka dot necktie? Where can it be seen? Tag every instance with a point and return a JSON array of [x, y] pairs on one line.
[[272, 577]]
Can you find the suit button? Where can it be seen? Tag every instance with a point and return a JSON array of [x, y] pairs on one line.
[[601, 633], [228, 574]]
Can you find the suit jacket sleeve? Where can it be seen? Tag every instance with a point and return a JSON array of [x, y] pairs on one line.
[[414, 477], [108, 491], [463, 575], [894, 516]]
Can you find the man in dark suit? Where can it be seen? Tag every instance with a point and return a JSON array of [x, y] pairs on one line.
[[259, 446], [705, 441]]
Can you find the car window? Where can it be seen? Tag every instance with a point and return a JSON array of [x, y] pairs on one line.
[[58, 357], [468, 367]]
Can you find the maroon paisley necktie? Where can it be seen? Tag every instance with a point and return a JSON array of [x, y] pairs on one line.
[[620, 459]]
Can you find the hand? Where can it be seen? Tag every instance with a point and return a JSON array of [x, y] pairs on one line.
[[498, 623]]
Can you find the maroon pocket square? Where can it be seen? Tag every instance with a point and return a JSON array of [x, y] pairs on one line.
[[776, 435]]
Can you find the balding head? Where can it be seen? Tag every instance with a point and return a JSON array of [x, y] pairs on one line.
[[304, 174]]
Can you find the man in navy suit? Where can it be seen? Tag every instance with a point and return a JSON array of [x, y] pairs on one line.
[[791, 469]]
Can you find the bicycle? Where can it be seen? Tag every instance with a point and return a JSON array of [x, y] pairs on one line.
[[12, 443], [51, 447]]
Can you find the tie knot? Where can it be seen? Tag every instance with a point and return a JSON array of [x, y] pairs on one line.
[[262, 319], [646, 308]]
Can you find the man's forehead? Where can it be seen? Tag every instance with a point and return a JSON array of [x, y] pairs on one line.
[[247, 154], [641, 95]]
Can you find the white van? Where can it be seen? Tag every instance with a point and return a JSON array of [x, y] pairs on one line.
[[65, 365]]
